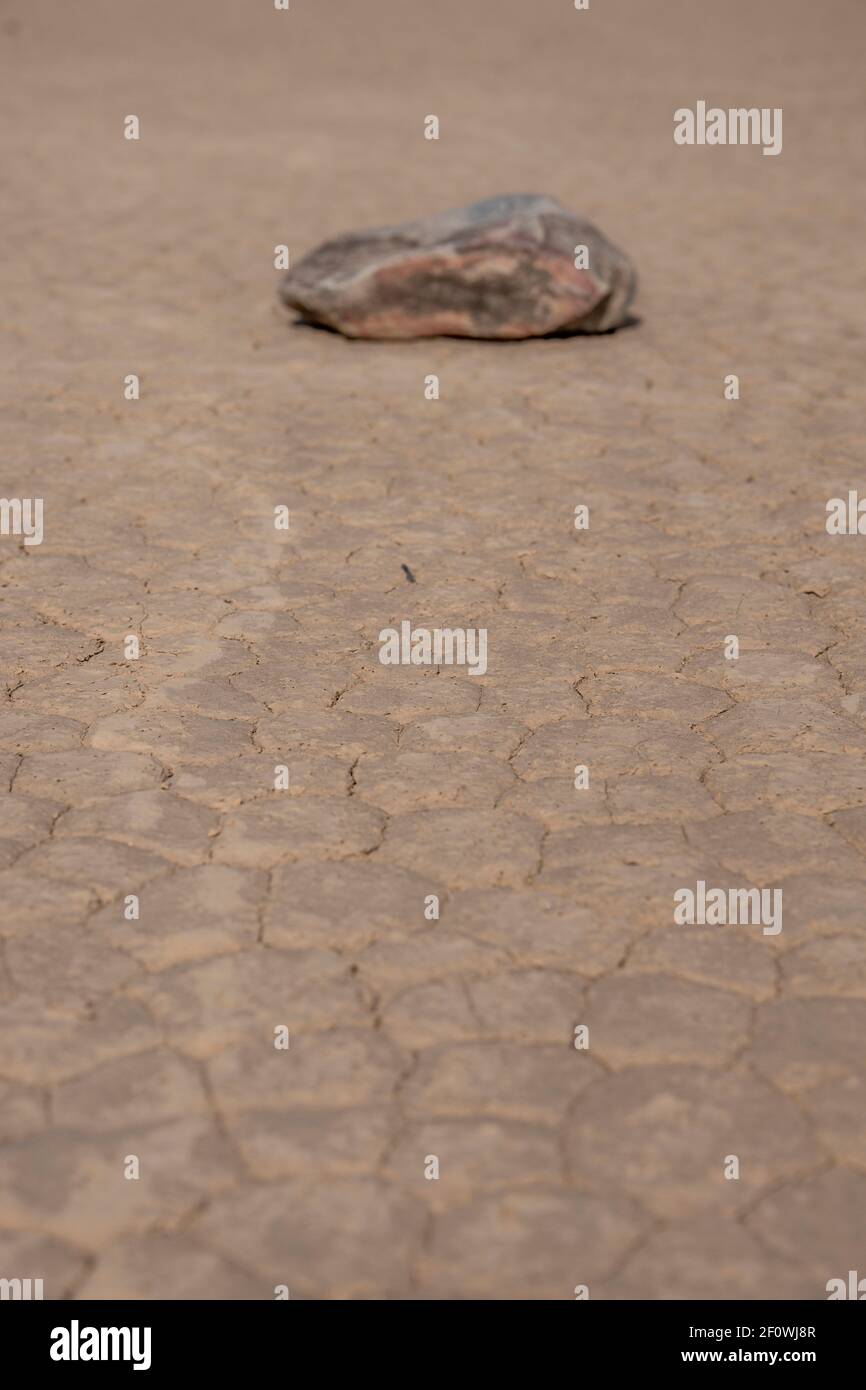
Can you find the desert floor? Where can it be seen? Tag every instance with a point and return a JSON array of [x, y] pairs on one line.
[[152, 779]]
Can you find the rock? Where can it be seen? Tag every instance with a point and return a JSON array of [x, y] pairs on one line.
[[501, 268]]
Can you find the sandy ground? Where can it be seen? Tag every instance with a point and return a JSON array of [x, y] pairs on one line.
[[259, 909]]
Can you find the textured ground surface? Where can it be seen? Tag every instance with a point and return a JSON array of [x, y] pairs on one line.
[[305, 908]]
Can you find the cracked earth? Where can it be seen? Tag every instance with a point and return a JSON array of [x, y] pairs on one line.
[[305, 908]]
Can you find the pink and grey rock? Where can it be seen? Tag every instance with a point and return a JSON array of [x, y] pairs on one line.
[[503, 268]]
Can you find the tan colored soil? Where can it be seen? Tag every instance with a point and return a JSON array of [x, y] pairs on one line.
[[413, 1038]]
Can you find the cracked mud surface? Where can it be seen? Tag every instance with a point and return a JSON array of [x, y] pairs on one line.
[[305, 908]]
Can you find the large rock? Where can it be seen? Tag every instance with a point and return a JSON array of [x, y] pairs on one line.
[[502, 268]]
